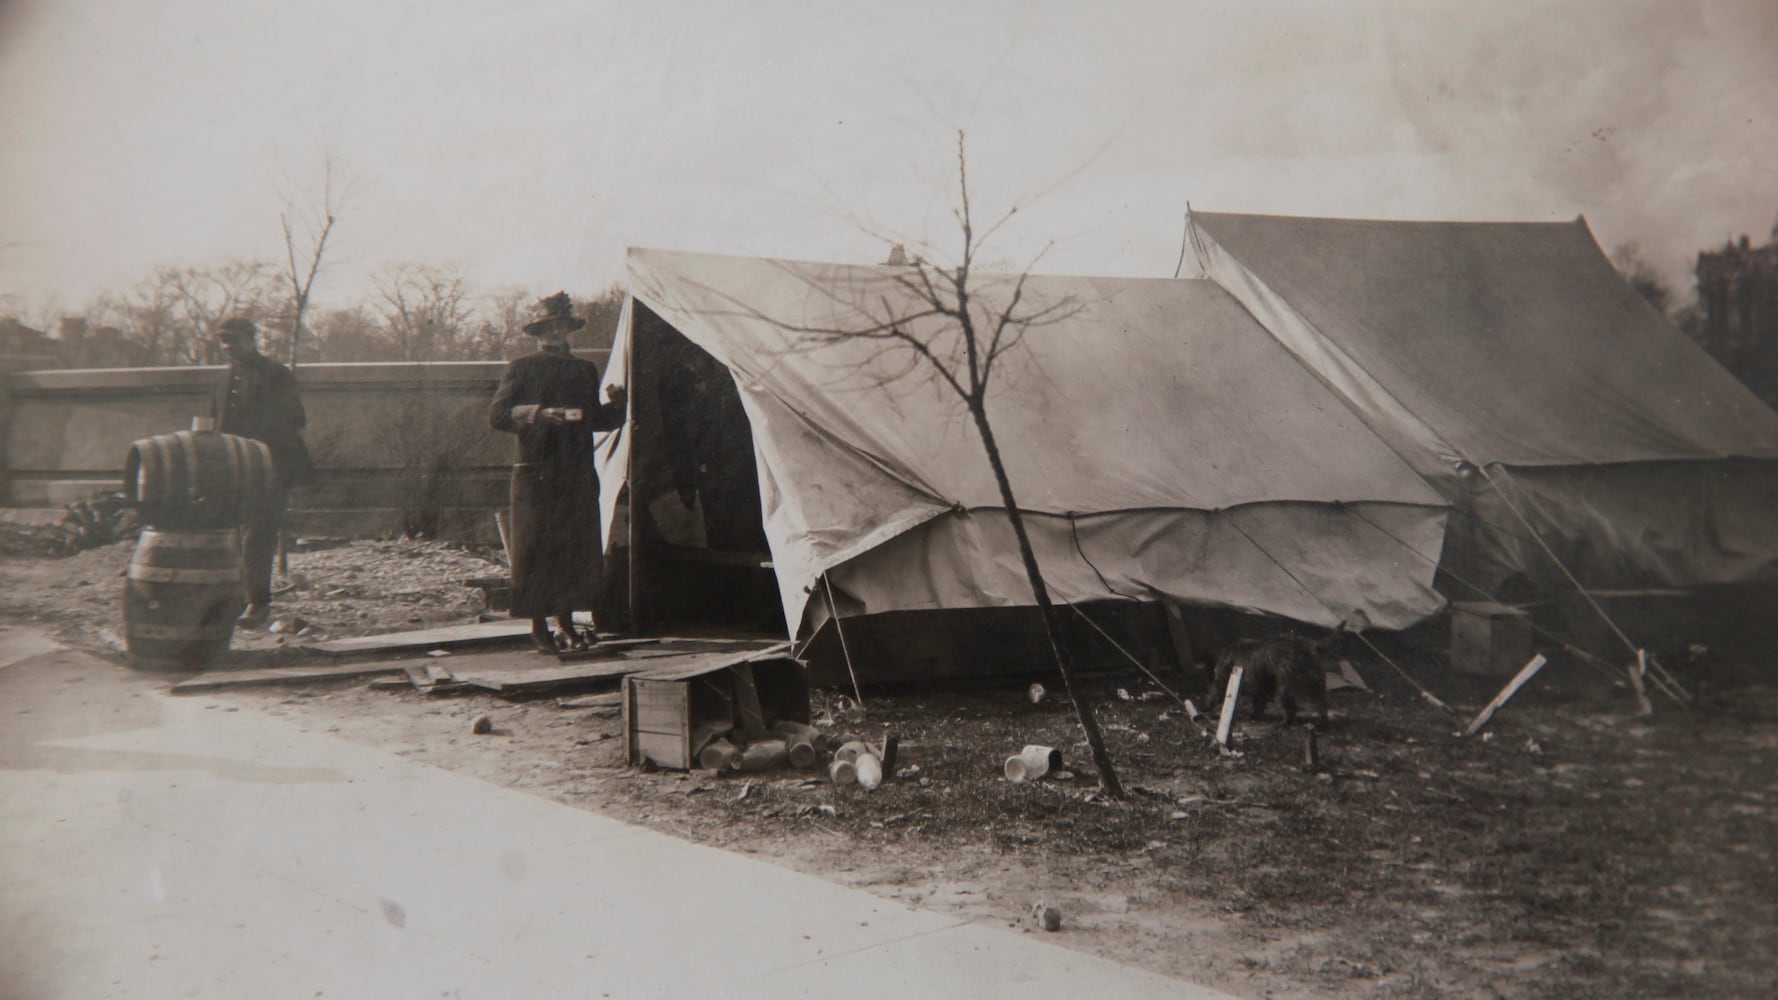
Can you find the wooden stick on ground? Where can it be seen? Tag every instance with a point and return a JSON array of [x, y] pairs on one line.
[[1512, 687], [1636, 670], [1229, 699]]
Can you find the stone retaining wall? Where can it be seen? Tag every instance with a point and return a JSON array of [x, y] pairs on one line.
[[398, 446]]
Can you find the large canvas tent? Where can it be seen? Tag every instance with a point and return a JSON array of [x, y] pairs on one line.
[[1511, 366], [1160, 442]]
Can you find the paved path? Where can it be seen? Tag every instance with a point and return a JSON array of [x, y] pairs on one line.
[[154, 847]]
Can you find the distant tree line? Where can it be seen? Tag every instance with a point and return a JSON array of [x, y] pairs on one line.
[[415, 312], [428, 312]]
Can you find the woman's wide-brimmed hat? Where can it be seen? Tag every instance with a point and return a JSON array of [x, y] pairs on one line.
[[558, 314]]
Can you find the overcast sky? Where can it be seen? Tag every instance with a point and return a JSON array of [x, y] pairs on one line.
[[531, 142]]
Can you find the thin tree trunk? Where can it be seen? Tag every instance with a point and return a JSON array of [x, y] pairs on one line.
[[1064, 661]]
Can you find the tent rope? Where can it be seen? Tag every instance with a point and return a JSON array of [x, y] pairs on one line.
[[1126, 653], [1185, 241], [1677, 693], [1074, 530], [1592, 662], [1424, 693], [845, 651]]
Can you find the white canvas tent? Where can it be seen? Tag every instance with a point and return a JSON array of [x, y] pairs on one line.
[[1160, 442], [1511, 366]]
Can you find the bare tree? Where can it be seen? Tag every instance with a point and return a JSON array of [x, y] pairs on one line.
[[960, 331], [315, 221], [202, 297], [502, 326], [600, 312], [425, 308], [350, 334], [1642, 276]]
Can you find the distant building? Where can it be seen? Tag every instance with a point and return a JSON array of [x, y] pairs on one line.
[[1738, 296], [17, 339]]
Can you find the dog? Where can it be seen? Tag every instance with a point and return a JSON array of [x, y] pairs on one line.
[[1289, 669]]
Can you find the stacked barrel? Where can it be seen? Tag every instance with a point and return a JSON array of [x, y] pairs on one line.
[[197, 480], [184, 590]]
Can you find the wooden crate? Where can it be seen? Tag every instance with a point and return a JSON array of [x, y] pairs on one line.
[[1491, 639], [664, 709]]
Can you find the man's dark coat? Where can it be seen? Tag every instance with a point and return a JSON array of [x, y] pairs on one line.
[[557, 559], [258, 400]]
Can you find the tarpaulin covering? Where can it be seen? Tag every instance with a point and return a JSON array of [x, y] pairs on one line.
[[1516, 349], [1162, 442]]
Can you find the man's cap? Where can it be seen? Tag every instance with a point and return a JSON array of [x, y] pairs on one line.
[[558, 312], [237, 328]]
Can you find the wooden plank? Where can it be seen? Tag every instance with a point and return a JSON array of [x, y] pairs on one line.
[[449, 637], [609, 699], [667, 750], [554, 677], [1512, 687], [220, 680], [690, 665], [665, 718]]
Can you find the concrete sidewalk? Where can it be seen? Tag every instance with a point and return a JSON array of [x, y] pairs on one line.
[[160, 847]]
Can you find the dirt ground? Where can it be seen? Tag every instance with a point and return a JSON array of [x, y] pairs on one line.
[[1571, 849]]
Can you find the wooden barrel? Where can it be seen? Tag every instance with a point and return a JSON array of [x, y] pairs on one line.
[[197, 480], [181, 597]]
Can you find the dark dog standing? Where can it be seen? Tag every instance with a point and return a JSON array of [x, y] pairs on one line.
[[1289, 669]]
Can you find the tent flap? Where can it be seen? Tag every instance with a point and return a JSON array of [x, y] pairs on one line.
[[1152, 418]]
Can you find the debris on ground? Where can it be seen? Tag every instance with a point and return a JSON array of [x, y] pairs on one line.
[[1431, 865]]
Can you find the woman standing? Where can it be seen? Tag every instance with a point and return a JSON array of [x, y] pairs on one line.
[[550, 399]]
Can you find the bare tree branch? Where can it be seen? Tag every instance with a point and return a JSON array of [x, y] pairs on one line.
[[302, 282]]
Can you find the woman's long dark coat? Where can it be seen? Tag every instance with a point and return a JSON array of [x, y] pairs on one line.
[[557, 562]]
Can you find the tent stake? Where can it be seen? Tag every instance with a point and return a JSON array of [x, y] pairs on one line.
[[1512, 688], [1636, 671], [1230, 702]]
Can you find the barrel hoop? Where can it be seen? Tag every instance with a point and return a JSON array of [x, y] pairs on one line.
[[148, 473], [176, 632], [164, 467], [161, 574], [190, 539], [195, 486]]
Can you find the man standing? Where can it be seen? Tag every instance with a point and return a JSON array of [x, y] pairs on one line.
[[550, 399], [258, 400]]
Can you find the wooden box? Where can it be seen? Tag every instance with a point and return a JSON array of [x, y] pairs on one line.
[[1490, 639], [665, 708]]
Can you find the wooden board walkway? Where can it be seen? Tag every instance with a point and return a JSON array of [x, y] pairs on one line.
[[480, 634], [665, 654], [220, 680]]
